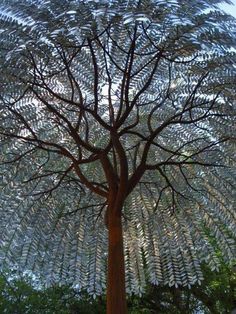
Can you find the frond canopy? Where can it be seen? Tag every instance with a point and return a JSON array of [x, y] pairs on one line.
[[160, 75]]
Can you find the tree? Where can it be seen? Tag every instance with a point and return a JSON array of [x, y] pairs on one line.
[[216, 294], [20, 295], [119, 116]]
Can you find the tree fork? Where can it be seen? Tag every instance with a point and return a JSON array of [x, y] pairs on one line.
[[116, 296]]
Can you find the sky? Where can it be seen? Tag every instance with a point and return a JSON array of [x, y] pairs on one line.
[[231, 9]]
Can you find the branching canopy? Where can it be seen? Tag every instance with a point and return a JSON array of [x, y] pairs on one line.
[[137, 97]]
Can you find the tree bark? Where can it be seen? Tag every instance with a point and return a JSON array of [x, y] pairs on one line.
[[116, 296]]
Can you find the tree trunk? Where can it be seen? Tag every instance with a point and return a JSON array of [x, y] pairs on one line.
[[116, 296]]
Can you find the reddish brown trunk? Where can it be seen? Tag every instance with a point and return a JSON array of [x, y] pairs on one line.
[[116, 297]]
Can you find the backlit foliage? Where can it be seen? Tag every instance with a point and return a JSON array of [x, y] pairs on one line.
[[90, 84]]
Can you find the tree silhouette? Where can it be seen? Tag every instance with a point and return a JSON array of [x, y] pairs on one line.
[[117, 115]]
